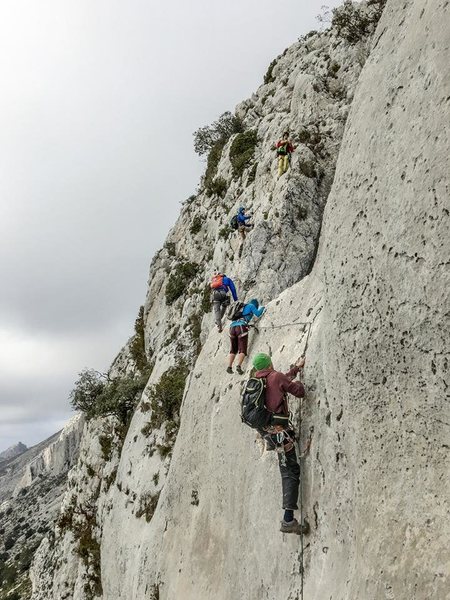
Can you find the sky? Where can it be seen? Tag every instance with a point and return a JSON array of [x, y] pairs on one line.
[[99, 102]]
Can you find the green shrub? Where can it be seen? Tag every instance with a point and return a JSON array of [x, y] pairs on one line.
[[164, 449], [205, 138], [137, 346], [26, 557], [333, 68], [172, 337], [147, 429], [96, 396], [9, 542], [242, 151], [211, 140], [120, 397], [196, 225], [268, 77], [205, 305], [217, 186], [225, 232], [106, 446], [88, 549], [111, 478], [179, 280], [8, 575], [147, 506], [65, 519], [212, 163], [170, 247], [196, 328], [353, 22], [154, 592], [166, 395], [302, 213], [88, 388]]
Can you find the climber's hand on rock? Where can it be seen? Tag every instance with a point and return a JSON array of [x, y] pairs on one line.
[[300, 363]]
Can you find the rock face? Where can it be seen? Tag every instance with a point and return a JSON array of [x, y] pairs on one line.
[[13, 451], [32, 486], [201, 520]]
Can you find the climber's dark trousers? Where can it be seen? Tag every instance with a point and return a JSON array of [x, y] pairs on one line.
[[290, 472], [290, 479]]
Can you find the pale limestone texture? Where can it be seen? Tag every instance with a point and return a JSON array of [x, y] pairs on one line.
[[375, 481]]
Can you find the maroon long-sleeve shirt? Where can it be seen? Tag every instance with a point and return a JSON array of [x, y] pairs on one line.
[[278, 386]]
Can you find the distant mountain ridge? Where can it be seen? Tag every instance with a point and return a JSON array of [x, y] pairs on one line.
[[13, 451]]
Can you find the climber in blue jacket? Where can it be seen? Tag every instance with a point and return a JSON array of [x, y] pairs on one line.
[[239, 334], [221, 285], [242, 219]]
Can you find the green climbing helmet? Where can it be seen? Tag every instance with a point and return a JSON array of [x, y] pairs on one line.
[[261, 361]]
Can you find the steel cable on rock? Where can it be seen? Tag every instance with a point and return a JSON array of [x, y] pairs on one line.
[[300, 457]]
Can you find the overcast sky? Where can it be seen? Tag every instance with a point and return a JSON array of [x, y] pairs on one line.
[[98, 104]]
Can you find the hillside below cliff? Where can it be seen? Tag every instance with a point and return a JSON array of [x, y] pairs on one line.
[[32, 486], [175, 498]]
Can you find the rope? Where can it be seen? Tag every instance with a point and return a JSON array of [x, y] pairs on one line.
[[284, 325], [307, 340], [300, 460]]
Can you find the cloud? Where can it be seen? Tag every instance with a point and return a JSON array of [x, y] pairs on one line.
[[99, 101]]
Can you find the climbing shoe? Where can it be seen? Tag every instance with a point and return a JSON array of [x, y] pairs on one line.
[[239, 370], [230, 370], [294, 527]]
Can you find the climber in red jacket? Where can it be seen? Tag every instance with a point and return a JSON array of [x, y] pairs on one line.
[[284, 148]]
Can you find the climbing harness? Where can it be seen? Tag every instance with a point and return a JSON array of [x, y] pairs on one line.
[[284, 444], [280, 448]]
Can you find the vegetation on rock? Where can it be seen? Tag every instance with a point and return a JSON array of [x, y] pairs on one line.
[[268, 77], [242, 151], [97, 396], [137, 346], [205, 138], [196, 225], [166, 395], [211, 140], [179, 280], [353, 21]]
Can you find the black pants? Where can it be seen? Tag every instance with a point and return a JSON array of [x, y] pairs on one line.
[[289, 470]]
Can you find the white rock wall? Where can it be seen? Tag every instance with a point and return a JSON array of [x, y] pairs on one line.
[[375, 484], [376, 479]]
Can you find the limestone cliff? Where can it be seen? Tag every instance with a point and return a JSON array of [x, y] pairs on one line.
[[367, 266], [32, 486]]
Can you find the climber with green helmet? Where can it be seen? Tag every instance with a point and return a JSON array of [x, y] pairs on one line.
[[279, 434], [240, 315]]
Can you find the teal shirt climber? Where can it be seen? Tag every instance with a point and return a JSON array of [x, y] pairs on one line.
[[250, 310]]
